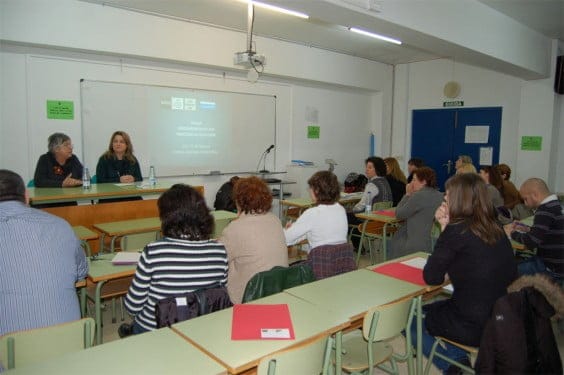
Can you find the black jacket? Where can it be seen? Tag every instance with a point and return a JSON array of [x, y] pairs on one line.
[[518, 338]]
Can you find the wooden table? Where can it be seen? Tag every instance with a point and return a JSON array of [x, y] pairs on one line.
[[374, 216], [301, 204], [101, 271], [117, 229], [84, 235], [212, 333], [157, 352]]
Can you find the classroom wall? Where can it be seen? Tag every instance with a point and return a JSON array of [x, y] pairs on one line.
[[528, 109]]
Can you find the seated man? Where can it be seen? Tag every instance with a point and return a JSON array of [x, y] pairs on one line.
[[41, 262], [547, 233]]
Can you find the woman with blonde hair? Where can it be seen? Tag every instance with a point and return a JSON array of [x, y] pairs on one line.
[[118, 164], [396, 179], [474, 253]]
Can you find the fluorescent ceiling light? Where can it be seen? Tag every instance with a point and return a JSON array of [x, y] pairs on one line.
[[373, 35], [278, 9]]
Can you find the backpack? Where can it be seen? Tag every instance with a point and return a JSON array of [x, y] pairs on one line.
[[355, 182]]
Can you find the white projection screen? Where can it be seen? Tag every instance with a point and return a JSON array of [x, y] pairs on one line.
[[181, 131]]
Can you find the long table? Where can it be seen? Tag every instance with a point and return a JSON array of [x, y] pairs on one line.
[[375, 216], [212, 333], [157, 352]]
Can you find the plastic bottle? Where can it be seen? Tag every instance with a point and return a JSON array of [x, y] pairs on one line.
[[85, 179], [152, 176], [368, 207]]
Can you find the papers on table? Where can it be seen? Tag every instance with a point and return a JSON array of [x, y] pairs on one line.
[[417, 262], [126, 257], [122, 184], [357, 194], [266, 322]]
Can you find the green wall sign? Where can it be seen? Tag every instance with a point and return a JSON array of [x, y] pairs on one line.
[[60, 109], [531, 143], [313, 132]]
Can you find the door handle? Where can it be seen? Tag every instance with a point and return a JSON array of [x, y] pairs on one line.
[[448, 166]]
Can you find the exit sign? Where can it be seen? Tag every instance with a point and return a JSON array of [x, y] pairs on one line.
[[454, 103]]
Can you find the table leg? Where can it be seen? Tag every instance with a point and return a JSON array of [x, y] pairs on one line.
[[419, 348], [83, 301], [361, 243], [385, 242], [98, 311], [338, 352]]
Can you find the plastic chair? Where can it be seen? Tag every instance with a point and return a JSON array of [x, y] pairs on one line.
[[472, 351], [31, 183], [312, 358], [35, 345], [277, 279], [93, 179], [364, 350]]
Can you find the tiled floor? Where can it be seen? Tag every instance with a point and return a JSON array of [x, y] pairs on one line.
[[110, 332]]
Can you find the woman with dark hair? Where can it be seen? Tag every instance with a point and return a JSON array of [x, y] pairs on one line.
[[412, 165], [509, 192], [377, 188], [417, 208], [184, 260], [118, 164], [326, 223], [59, 167], [494, 184], [474, 253], [255, 240]]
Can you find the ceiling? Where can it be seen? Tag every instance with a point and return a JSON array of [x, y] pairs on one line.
[[326, 27]]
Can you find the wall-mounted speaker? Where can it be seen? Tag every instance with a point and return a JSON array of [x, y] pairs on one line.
[[559, 76]]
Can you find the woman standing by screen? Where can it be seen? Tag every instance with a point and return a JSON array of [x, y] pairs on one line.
[[118, 164]]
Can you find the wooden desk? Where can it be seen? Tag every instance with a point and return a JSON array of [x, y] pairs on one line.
[[102, 271], [374, 216], [117, 229], [212, 333], [157, 352], [301, 204]]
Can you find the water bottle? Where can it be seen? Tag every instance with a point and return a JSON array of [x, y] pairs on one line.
[[368, 207], [85, 179], [152, 176]]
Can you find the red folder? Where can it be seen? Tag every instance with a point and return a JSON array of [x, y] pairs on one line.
[[390, 213], [402, 272], [261, 322]]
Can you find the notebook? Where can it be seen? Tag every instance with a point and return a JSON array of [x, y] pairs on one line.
[[261, 322], [126, 258]]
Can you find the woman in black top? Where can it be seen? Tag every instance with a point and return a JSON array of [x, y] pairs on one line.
[[58, 167], [474, 253], [118, 164]]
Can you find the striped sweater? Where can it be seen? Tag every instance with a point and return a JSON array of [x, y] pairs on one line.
[[546, 235], [172, 267]]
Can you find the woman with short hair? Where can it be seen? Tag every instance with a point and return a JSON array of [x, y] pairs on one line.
[[59, 167], [326, 222], [184, 260], [255, 240], [472, 252], [417, 208]]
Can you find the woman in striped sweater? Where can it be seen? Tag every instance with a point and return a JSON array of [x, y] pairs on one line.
[[186, 259]]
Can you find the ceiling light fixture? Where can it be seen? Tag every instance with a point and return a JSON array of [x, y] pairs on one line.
[[278, 9], [374, 35]]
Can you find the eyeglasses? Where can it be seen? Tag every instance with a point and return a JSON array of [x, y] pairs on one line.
[[67, 145]]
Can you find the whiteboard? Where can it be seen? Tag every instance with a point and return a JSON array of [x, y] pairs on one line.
[[181, 131]]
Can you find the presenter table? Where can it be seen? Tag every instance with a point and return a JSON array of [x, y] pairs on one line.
[[157, 352], [212, 333]]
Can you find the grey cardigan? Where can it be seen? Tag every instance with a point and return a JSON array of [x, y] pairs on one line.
[[418, 211]]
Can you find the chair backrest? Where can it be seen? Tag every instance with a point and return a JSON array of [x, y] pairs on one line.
[[137, 241], [35, 345], [382, 205], [31, 183], [276, 280], [387, 321], [190, 305], [309, 359], [331, 260], [93, 179]]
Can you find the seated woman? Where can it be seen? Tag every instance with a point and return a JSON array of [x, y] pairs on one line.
[[183, 261], [466, 168], [324, 224], [396, 179], [118, 164], [58, 167], [417, 208], [255, 240], [494, 184], [474, 253]]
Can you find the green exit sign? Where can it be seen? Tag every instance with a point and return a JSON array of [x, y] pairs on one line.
[[454, 103]]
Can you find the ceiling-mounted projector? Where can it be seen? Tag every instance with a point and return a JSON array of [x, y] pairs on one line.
[[249, 59]]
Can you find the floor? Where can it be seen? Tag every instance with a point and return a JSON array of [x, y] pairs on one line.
[[110, 332]]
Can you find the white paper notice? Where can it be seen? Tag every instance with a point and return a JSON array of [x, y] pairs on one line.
[[477, 134], [275, 333], [416, 262], [486, 155]]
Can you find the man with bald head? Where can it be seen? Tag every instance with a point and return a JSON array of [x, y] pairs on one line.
[[547, 233]]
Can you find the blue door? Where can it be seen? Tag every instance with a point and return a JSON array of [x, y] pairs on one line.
[[440, 135]]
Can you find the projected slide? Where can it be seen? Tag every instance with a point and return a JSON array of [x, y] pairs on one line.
[[178, 130]]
